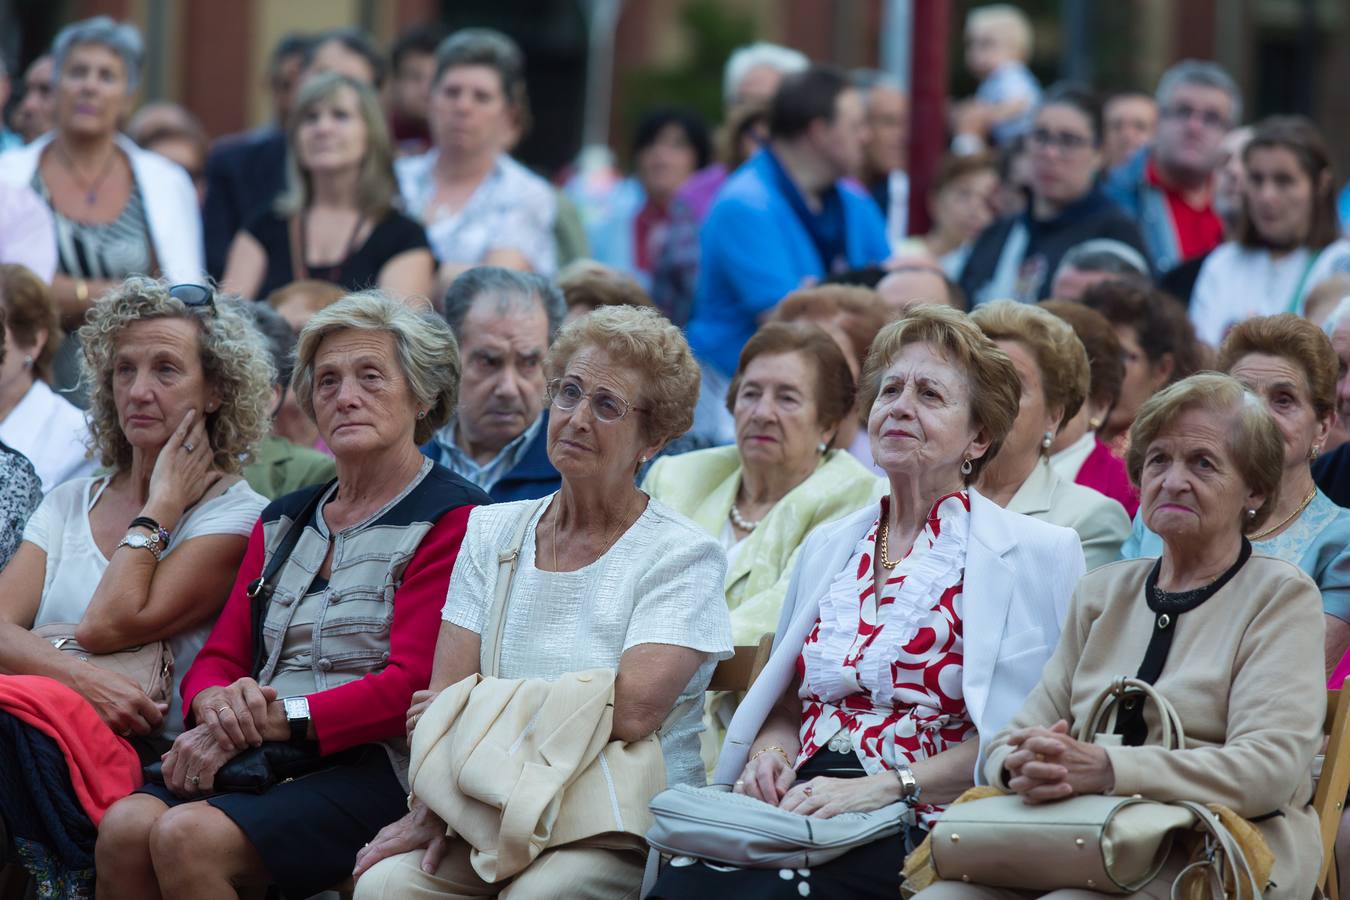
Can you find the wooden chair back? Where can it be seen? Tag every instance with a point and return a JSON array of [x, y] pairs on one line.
[[740, 671], [1329, 801]]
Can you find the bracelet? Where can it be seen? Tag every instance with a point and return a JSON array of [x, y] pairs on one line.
[[140, 542], [771, 749], [158, 532]]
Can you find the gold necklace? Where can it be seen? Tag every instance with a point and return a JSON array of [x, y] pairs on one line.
[[609, 538], [1292, 516], [884, 540]]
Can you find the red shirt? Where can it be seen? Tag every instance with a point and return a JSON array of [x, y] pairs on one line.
[[1198, 229]]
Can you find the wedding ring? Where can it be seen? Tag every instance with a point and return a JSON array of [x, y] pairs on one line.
[[807, 791], [187, 446], [220, 709]]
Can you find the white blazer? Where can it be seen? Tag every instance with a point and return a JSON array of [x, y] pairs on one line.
[[1019, 576], [170, 203]]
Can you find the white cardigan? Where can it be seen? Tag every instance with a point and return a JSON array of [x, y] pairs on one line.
[[170, 203], [1020, 574]]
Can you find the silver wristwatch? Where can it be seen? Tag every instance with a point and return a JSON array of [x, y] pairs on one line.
[[297, 716], [141, 542], [909, 785]]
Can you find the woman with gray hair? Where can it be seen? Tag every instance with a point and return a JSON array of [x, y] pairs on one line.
[[119, 210], [479, 205], [635, 588], [327, 656], [337, 220], [146, 552]]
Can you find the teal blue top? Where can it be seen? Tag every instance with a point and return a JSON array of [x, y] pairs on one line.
[[1318, 543]]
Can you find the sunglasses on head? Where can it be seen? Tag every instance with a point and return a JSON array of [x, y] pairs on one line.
[[194, 296]]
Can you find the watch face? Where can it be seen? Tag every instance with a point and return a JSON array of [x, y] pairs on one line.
[[137, 540], [296, 708]]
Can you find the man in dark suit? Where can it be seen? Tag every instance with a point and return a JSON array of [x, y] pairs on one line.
[[245, 172]]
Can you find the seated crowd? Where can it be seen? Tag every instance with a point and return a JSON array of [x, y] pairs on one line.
[[402, 559]]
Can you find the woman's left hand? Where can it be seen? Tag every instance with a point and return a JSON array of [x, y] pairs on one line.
[[823, 798], [192, 762], [421, 702], [1048, 764]]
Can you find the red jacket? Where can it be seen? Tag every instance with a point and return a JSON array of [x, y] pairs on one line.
[[1105, 472]]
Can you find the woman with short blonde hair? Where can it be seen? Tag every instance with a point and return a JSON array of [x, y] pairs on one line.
[[1052, 368], [1288, 363], [337, 220]]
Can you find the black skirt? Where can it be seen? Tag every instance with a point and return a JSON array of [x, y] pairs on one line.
[[309, 830], [872, 870]]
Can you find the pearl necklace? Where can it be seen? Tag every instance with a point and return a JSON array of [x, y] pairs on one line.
[[741, 521]]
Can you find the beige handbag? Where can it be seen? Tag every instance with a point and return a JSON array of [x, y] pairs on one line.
[[1115, 845], [149, 665]]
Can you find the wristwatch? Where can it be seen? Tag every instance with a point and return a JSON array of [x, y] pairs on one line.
[[297, 716], [140, 542], [909, 785]]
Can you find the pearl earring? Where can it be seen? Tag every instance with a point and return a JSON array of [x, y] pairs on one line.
[[28, 362], [642, 460], [1047, 440], [1251, 514], [821, 448]]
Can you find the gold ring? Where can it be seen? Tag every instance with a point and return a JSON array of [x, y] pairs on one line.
[[220, 709]]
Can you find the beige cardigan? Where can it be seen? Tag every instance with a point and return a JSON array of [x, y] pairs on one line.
[[1246, 677]]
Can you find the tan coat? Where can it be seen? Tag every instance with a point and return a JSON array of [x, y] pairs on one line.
[[519, 766], [1246, 677]]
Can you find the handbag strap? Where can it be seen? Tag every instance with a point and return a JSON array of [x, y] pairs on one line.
[[260, 589], [507, 561], [1222, 862], [1102, 717]]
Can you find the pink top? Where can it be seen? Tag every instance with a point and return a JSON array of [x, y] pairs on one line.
[[1103, 471]]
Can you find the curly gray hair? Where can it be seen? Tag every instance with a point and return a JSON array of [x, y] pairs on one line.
[[234, 358], [119, 37], [425, 346]]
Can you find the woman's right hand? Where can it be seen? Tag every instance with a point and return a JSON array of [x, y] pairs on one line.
[[235, 713], [420, 829], [766, 777], [120, 701]]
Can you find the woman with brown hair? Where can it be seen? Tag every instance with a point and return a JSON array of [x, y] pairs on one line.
[[34, 419], [1288, 236], [337, 221]]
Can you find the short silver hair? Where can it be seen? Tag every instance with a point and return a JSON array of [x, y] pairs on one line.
[[1105, 255], [121, 38], [1204, 74], [760, 53], [511, 289], [869, 80], [424, 346]]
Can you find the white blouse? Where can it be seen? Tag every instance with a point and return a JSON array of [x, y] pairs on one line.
[[75, 565], [660, 583], [51, 432]]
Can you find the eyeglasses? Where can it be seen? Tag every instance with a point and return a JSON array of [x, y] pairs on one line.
[[1044, 139], [607, 407], [194, 296], [1208, 117]]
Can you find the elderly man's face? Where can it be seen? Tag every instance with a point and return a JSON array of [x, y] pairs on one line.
[[888, 129], [502, 390], [757, 85], [1191, 126]]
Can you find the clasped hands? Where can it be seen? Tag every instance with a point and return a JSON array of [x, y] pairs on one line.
[[768, 777], [1048, 764], [231, 719]]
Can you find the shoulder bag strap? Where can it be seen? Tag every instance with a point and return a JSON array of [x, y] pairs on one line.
[[295, 235], [1296, 299], [260, 589], [507, 561]]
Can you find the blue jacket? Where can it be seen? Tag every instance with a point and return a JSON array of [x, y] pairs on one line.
[[754, 250], [1128, 186], [532, 478]]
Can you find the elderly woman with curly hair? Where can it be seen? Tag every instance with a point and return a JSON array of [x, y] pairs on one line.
[[180, 386], [607, 577], [332, 659]]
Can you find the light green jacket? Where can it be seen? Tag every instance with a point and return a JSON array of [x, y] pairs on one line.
[[703, 484]]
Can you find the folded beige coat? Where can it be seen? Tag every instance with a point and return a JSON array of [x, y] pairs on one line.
[[519, 766]]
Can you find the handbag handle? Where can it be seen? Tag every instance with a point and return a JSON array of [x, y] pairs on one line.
[[506, 572], [1222, 862], [1104, 709], [260, 589]]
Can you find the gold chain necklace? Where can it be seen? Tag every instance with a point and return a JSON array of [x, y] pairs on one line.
[[885, 539], [1292, 516], [609, 538]]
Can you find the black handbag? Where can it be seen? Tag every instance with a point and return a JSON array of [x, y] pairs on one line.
[[257, 769]]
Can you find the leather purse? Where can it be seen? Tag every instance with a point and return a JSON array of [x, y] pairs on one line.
[[715, 824], [257, 769], [1114, 845], [149, 665]]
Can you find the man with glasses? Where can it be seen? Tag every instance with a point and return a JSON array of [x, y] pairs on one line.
[[505, 322], [1167, 187]]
